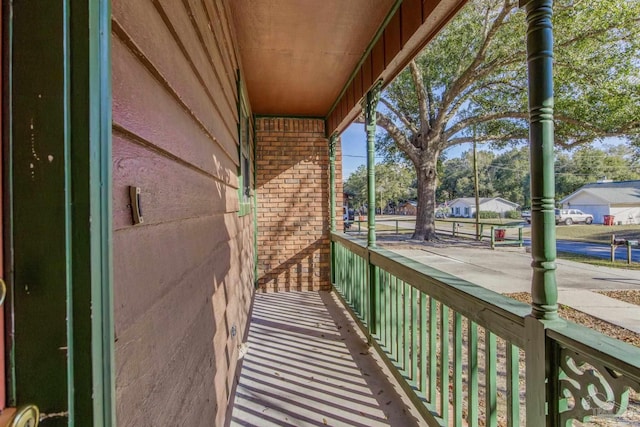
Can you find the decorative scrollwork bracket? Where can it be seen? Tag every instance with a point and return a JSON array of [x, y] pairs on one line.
[[595, 389]]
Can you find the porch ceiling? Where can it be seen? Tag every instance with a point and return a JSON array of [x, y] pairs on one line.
[[297, 55]]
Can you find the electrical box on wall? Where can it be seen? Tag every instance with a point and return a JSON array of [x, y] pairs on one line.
[[136, 208]]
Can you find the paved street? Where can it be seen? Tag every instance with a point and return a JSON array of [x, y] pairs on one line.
[[595, 249], [508, 270], [582, 248]]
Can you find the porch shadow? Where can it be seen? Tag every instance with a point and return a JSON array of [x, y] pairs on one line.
[[307, 365]]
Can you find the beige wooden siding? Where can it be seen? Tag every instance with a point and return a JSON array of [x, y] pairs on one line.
[[184, 278]]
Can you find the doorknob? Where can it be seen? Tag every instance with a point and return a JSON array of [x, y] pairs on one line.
[[3, 291], [25, 416]]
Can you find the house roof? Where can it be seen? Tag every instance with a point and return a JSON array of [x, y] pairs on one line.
[[318, 58], [613, 193], [471, 201]]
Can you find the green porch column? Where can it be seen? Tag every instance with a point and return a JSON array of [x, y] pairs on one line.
[[542, 366], [332, 180], [370, 103], [332, 201], [544, 291]]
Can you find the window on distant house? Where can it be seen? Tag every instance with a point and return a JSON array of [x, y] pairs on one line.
[[466, 211]]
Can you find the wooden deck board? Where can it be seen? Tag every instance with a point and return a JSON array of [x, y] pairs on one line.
[[307, 365]]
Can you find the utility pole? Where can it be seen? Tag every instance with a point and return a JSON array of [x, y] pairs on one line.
[[475, 183]]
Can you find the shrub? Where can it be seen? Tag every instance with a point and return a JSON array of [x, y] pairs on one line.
[[512, 214], [488, 215]]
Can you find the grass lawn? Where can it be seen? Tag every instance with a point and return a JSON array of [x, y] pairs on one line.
[[598, 261], [492, 221], [597, 233]]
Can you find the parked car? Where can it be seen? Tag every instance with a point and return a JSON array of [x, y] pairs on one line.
[[526, 215], [572, 216]]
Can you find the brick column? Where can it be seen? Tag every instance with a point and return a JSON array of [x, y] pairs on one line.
[[293, 204]]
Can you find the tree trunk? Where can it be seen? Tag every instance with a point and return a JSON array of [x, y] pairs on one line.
[[425, 217]]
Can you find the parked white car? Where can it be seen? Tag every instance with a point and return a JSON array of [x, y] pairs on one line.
[[572, 216]]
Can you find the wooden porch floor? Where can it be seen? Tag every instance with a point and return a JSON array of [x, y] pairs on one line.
[[306, 364]]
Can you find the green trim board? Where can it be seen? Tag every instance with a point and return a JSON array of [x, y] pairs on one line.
[[99, 215], [60, 211], [255, 209], [245, 130]]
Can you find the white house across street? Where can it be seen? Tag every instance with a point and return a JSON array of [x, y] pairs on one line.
[[619, 199], [465, 207]]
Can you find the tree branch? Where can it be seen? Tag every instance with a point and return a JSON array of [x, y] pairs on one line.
[[432, 105], [460, 100], [399, 115], [465, 123], [487, 138], [418, 81], [469, 73], [400, 138], [631, 127], [592, 34]]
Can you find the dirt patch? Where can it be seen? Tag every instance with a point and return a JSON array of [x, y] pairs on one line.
[[403, 242], [632, 296]]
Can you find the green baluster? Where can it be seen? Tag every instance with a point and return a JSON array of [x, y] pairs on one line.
[[491, 396], [457, 369], [416, 348], [513, 385], [433, 343], [472, 351], [444, 363], [423, 343]]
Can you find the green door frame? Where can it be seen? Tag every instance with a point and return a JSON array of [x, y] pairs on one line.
[[57, 200]]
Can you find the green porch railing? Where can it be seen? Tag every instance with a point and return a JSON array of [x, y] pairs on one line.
[[457, 348]]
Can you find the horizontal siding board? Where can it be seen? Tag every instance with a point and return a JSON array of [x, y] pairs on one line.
[[183, 30], [230, 65], [169, 191], [228, 35], [153, 260], [225, 76], [159, 51], [167, 364], [142, 106]]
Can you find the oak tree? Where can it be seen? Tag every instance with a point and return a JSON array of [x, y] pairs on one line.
[[470, 83]]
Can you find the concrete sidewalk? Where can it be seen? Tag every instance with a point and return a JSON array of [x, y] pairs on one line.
[[508, 270]]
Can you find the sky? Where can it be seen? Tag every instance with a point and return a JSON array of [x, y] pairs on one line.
[[354, 149]]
